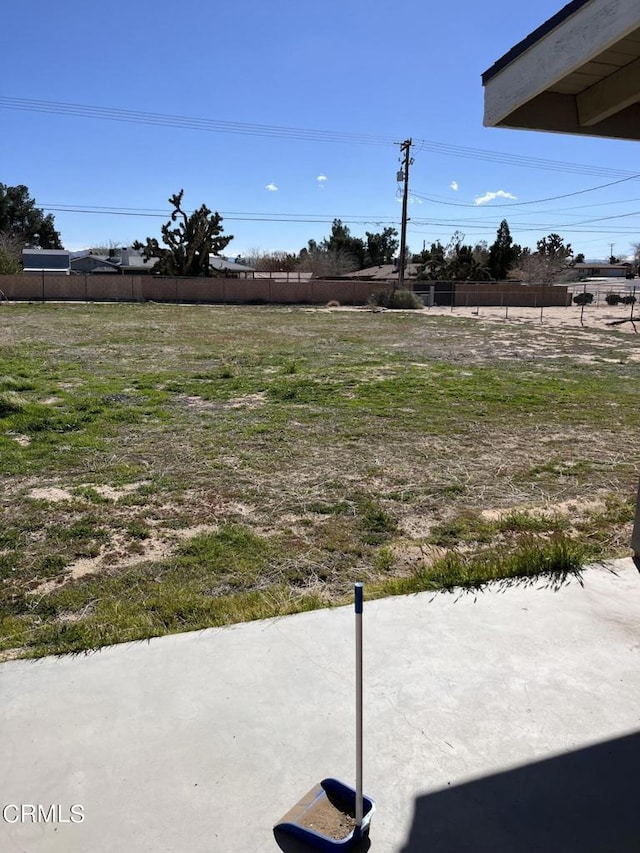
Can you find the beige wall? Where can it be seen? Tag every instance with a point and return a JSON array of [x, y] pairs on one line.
[[213, 290], [132, 288]]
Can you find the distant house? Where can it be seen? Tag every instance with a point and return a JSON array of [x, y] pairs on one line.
[[231, 269], [133, 262], [93, 264], [126, 261], [592, 269], [118, 261], [50, 261]]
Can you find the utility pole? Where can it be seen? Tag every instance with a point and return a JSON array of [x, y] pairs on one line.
[[405, 148], [611, 245]]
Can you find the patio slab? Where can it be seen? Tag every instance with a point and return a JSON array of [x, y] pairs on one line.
[[477, 707]]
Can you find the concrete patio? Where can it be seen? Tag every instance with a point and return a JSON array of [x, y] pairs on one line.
[[503, 721]]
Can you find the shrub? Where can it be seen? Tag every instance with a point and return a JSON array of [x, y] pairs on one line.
[[628, 300], [585, 298], [397, 299], [613, 299]]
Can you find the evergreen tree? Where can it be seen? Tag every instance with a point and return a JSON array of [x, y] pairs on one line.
[[22, 220], [342, 244], [381, 247], [502, 253]]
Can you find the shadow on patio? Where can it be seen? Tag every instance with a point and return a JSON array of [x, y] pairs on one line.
[[581, 802]]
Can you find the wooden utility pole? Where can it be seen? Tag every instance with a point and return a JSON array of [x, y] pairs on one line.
[[405, 148]]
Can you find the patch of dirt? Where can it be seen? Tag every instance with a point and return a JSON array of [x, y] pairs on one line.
[[52, 494], [416, 526], [237, 508], [408, 557], [249, 401], [12, 654], [596, 316], [114, 494], [117, 555], [22, 440]]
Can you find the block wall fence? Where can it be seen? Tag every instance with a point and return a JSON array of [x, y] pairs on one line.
[[35, 287]]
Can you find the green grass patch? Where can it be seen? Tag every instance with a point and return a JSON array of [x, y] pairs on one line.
[[534, 558]]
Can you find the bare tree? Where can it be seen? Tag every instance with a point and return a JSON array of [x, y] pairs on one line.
[[109, 248], [537, 269], [550, 264], [252, 257], [10, 254], [276, 262], [327, 262]]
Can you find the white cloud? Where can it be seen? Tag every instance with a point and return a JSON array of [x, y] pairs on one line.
[[272, 188], [321, 179], [454, 186], [483, 199]]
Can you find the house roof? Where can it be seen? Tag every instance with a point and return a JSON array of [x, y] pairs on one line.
[[594, 265], [579, 72], [94, 263], [539, 33], [223, 264], [384, 272]]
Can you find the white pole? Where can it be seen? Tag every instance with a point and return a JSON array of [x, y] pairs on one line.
[[358, 602]]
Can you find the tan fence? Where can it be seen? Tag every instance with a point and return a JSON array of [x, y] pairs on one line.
[[131, 288]]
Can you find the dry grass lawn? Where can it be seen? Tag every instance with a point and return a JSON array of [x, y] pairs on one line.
[[167, 467]]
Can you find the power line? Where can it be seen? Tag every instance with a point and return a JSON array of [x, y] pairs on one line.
[[517, 159], [301, 134], [533, 201], [190, 122], [165, 212], [604, 218], [482, 233], [355, 219], [252, 217]]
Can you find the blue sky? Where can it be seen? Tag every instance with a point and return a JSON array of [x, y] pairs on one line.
[[354, 68]]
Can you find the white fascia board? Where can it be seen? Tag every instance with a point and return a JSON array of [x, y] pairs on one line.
[[593, 29]]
